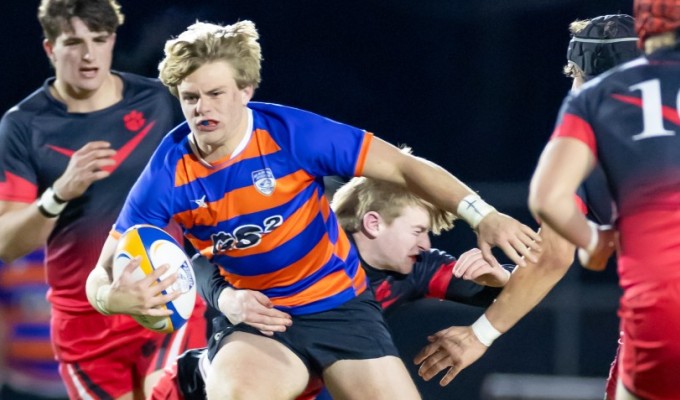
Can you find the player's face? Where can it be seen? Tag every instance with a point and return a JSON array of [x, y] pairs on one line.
[[215, 108], [81, 58], [399, 243]]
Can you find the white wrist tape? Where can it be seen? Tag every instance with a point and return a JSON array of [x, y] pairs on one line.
[[484, 331], [99, 300], [50, 205], [473, 209], [594, 237]]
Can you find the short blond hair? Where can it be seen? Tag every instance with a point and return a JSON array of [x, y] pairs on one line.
[[571, 70], [203, 43], [360, 195]]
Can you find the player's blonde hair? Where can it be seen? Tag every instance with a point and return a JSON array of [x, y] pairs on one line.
[[571, 70], [203, 43], [360, 195]]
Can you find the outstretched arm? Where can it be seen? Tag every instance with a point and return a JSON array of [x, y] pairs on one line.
[[455, 348], [433, 183]]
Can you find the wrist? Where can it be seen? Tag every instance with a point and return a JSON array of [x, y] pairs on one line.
[[594, 237], [473, 209], [222, 299], [484, 331], [101, 299], [50, 204]]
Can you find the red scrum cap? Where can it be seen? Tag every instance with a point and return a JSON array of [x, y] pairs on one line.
[[653, 17]]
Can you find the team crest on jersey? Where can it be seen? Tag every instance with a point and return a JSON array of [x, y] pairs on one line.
[[264, 181]]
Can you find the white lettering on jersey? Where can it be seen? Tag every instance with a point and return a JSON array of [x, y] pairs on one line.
[[652, 110]]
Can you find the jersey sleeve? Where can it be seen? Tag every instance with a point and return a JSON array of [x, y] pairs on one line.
[[572, 122], [150, 199], [320, 145], [434, 273], [18, 176], [209, 281]]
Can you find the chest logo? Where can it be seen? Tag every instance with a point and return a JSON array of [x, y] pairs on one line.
[[264, 181]]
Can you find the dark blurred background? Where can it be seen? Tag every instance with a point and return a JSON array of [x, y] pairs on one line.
[[474, 86]]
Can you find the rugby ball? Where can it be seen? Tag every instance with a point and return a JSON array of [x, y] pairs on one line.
[[156, 247]]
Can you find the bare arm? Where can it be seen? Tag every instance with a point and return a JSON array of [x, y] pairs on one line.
[[563, 165], [25, 228], [455, 348], [433, 183]]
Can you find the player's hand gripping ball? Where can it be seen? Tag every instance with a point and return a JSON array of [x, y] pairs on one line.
[[156, 247]]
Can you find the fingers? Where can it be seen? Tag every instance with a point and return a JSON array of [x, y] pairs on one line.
[[92, 162], [426, 352], [533, 240], [474, 269], [523, 249], [432, 365], [450, 374], [132, 265], [488, 255]]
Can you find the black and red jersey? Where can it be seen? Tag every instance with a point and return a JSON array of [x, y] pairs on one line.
[[38, 137], [630, 119], [432, 277]]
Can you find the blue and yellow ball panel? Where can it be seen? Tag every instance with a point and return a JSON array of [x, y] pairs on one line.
[[156, 247]]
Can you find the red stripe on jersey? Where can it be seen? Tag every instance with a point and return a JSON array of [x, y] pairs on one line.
[[575, 127], [440, 281], [189, 168], [67, 152], [225, 208], [124, 152], [580, 204], [16, 188], [361, 161], [289, 275], [669, 114]]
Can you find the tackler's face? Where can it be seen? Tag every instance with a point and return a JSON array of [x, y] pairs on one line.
[[213, 105], [81, 58], [400, 243]]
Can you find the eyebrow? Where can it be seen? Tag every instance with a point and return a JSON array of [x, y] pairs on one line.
[[187, 91]]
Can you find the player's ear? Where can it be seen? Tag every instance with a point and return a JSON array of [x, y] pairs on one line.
[[247, 94], [49, 50], [371, 224]]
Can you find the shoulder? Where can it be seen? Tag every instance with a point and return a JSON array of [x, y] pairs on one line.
[[432, 260], [25, 111], [135, 85], [287, 115], [614, 80], [171, 149]]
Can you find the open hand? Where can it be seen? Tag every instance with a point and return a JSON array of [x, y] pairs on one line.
[[144, 296], [515, 239], [453, 348], [253, 308], [472, 266]]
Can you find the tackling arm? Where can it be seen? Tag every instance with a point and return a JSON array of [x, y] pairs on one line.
[[433, 183], [456, 348]]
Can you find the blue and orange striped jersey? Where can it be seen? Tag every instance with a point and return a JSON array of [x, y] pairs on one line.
[[260, 215], [25, 319]]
